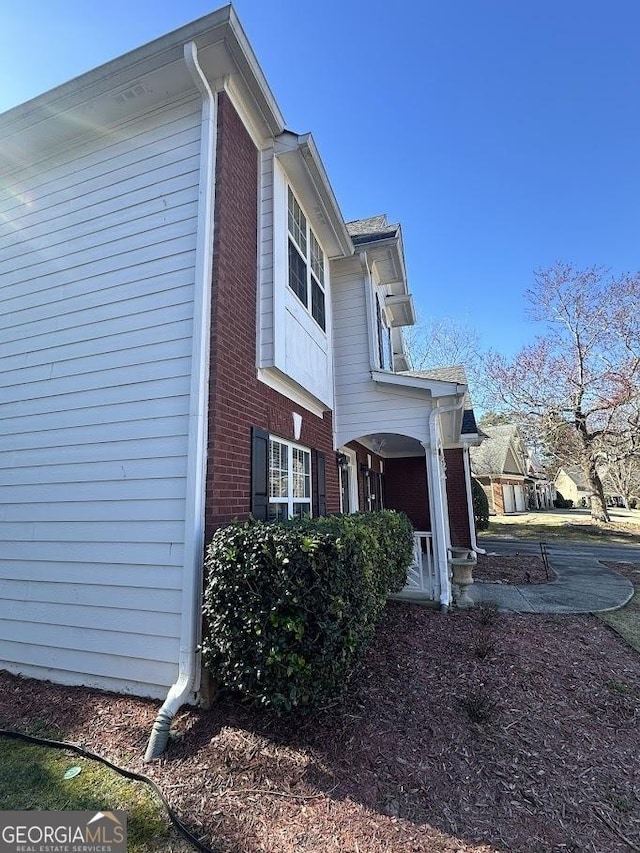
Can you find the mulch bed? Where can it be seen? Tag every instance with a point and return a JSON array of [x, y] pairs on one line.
[[472, 732], [514, 569], [631, 571]]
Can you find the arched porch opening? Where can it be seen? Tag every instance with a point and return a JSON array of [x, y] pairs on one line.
[[385, 470]]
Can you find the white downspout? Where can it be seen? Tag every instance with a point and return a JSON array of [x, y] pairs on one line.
[[188, 678], [467, 483], [435, 486]]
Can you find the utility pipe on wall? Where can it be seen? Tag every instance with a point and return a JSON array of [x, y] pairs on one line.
[[187, 681]]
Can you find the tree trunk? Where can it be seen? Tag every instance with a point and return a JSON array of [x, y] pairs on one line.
[[598, 504]]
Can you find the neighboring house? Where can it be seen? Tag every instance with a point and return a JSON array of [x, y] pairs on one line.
[[501, 466], [573, 486], [190, 334], [542, 492]]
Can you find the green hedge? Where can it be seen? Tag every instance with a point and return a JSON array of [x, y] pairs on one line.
[[480, 505], [290, 607]]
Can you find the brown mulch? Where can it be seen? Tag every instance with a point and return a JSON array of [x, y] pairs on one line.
[[472, 732], [631, 571], [515, 569]]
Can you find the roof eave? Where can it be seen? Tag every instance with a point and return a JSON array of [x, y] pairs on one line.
[[299, 152], [221, 27], [437, 388]]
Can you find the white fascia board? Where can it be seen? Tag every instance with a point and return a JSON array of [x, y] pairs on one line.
[[302, 163], [472, 439], [156, 72], [436, 387], [274, 378], [249, 67]]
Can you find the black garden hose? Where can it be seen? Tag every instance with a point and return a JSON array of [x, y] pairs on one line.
[[128, 774]]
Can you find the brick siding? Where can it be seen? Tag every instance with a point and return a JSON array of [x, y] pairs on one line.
[[457, 499], [406, 489], [237, 400]]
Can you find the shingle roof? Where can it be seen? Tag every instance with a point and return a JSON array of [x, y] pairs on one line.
[[491, 456], [373, 228], [578, 477], [452, 373]]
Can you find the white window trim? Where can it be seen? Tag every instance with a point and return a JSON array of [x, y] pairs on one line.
[[311, 276], [290, 499], [353, 480]]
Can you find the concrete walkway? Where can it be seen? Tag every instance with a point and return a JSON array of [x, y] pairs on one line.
[[583, 584]]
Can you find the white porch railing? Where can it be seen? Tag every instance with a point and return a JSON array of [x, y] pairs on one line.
[[422, 579]]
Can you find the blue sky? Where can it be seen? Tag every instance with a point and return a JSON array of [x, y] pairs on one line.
[[504, 135]]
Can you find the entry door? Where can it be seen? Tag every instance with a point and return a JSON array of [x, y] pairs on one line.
[[348, 482]]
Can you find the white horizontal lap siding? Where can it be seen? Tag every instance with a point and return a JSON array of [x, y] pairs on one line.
[[97, 251], [363, 406], [265, 312]]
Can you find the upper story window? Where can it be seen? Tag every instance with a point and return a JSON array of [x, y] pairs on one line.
[[306, 263]]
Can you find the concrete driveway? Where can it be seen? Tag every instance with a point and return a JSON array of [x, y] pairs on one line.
[[583, 583]]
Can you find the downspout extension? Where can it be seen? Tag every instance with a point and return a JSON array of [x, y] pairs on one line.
[[443, 564], [467, 482], [188, 674]]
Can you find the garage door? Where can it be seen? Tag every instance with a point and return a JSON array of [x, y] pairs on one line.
[[509, 498]]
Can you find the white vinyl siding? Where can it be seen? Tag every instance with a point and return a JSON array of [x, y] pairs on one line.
[[266, 321], [363, 406], [97, 250], [290, 341]]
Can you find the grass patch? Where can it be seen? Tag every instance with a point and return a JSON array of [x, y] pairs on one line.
[[626, 621], [33, 778], [576, 525]]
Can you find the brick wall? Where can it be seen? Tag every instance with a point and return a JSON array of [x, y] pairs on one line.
[[406, 489], [457, 499], [498, 498], [237, 400]]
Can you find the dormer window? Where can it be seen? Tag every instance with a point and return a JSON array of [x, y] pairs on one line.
[[306, 262]]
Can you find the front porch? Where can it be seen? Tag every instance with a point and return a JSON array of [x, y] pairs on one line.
[[423, 581], [427, 483]]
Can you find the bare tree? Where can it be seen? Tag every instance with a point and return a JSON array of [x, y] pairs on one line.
[[445, 341], [620, 455], [584, 370]]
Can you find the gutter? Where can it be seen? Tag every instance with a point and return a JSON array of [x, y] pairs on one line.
[[438, 500], [187, 681], [467, 484]]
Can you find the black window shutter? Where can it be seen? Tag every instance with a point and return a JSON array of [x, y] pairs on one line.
[[259, 473], [321, 483]]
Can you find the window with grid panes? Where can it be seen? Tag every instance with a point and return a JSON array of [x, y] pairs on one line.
[[306, 262], [289, 480]]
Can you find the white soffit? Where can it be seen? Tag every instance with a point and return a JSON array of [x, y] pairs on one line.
[[136, 83], [400, 310]]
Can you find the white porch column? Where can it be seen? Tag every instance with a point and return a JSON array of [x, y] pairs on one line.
[[469, 493], [438, 512]]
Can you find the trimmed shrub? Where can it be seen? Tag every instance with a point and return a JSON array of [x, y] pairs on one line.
[[290, 607], [561, 502], [480, 505]]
